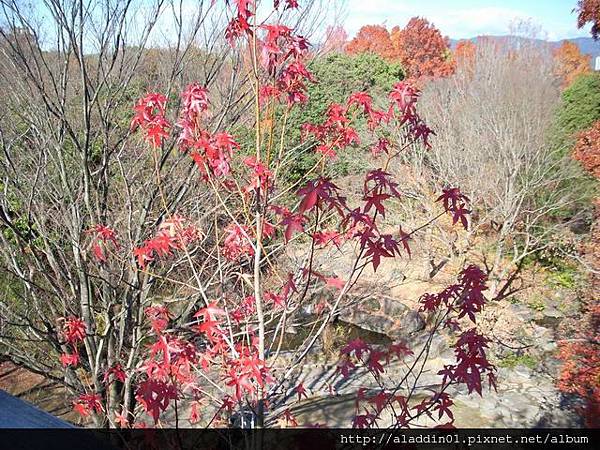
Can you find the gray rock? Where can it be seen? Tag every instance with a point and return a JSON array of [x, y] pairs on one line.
[[521, 311], [489, 406], [552, 365], [522, 371], [439, 348], [550, 317], [385, 316], [371, 322], [393, 308], [412, 322]]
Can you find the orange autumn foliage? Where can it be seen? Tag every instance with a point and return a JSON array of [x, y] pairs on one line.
[[372, 39], [580, 373], [570, 63], [587, 150], [422, 50], [464, 54]]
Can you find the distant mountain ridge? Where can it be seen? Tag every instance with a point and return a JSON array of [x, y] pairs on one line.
[[586, 45]]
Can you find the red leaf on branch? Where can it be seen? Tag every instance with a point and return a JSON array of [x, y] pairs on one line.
[[117, 372], [443, 402], [68, 359], [300, 390], [74, 330], [210, 312], [356, 346], [375, 200], [293, 223], [121, 420], [155, 396], [335, 282], [87, 404]]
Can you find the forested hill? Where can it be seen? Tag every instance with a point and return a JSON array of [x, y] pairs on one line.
[[586, 45]]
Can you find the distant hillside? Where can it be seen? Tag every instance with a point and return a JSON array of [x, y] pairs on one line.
[[586, 44]]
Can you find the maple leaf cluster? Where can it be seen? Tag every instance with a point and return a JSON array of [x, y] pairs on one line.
[[173, 235], [103, 237], [150, 117], [73, 332], [462, 299], [465, 299], [455, 203], [87, 404], [283, 56]]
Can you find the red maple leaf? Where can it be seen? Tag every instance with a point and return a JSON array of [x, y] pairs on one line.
[[400, 349], [404, 238], [380, 400], [356, 346], [382, 182], [363, 420], [159, 317], [88, 403], [68, 359], [210, 312], [156, 131], [361, 99], [376, 250], [209, 327], [376, 201], [117, 372], [373, 363], [300, 390], [81, 409], [451, 198], [155, 396], [335, 282], [345, 366], [241, 382], [98, 252], [460, 213], [290, 420], [443, 402], [293, 223], [74, 330], [423, 407], [121, 420], [143, 255], [325, 238], [321, 189]]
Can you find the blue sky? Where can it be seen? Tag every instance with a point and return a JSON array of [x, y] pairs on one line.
[[468, 18]]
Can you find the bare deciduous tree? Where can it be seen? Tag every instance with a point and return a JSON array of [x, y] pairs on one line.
[[492, 121]]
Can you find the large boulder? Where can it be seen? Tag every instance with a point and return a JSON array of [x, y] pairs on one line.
[[383, 315]]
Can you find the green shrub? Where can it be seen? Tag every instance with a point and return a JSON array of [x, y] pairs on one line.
[[513, 360], [580, 108], [338, 76]]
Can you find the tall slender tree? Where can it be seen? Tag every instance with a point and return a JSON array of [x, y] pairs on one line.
[[570, 63]]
